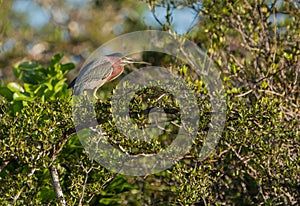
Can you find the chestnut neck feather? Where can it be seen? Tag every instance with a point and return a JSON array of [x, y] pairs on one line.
[[116, 67]]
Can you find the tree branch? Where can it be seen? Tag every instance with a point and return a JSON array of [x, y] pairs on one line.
[[56, 185]]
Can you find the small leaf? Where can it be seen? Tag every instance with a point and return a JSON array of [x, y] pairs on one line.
[[17, 106], [29, 72], [15, 87], [5, 92], [49, 84], [29, 87], [59, 85], [19, 96], [67, 67], [264, 85], [288, 56], [55, 59]]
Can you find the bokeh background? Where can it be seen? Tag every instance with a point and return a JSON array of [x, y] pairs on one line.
[[33, 30]]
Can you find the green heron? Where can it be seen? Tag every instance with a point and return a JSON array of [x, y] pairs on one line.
[[100, 71]]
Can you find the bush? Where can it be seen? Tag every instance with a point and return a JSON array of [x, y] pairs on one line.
[[255, 163]]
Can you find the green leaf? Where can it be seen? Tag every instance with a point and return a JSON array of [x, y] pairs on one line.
[[108, 201], [46, 194], [29, 72], [17, 106], [118, 185], [288, 56], [37, 90], [56, 59], [6, 93], [264, 85], [67, 67], [22, 97], [59, 85], [49, 84], [29, 87], [15, 87]]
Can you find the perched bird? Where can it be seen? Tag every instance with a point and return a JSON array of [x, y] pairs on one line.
[[99, 71]]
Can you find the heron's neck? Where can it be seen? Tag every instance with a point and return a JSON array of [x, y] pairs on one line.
[[117, 70]]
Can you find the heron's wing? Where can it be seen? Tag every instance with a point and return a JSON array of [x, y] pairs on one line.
[[93, 75], [84, 69]]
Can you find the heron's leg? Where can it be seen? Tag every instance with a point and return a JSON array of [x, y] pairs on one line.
[[95, 93]]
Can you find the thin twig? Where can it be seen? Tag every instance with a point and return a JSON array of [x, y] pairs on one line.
[[244, 94], [18, 194], [85, 182]]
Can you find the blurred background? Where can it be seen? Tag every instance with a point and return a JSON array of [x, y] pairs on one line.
[[35, 30]]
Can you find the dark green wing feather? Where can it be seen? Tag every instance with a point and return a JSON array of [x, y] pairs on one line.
[[92, 75]]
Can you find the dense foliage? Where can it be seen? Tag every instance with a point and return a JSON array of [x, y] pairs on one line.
[[255, 163]]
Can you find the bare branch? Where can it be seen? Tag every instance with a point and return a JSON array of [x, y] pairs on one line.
[[56, 185]]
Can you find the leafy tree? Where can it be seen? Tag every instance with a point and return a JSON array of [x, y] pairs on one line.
[[255, 163]]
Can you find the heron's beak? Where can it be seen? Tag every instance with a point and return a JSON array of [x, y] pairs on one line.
[[141, 62], [128, 60]]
